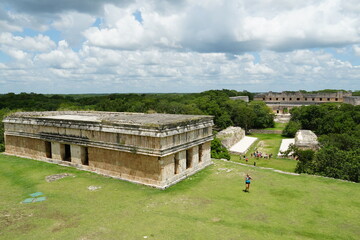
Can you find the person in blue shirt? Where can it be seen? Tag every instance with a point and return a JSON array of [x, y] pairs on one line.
[[247, 182]]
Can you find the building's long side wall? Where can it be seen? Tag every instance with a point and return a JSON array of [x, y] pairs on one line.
[[301, 97], [28, 147], [117, 139], [129, 166], [156, 171], [91, 135]]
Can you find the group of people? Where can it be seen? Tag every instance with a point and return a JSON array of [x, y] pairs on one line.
[[258, 154]]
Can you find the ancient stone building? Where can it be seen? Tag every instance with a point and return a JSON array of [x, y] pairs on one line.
[[230, 136], [353, 100], [306, 139], [244, 98], [282, 102], [152, 149]]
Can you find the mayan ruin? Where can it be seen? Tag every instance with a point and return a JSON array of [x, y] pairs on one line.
[[281, 103], [152, 149]]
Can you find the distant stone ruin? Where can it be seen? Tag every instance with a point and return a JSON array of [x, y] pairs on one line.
[[353, 100], [244, 98], [230, 136], [153, 149], [306, 139], [281, 103], [234, 139]]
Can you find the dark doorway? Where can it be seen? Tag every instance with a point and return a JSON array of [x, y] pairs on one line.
[[48, 149], [67, 153], [176, 163], [200, 153], [86, 156], [189, 158]]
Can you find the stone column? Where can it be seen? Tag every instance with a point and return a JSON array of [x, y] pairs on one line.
[[180, 158], [167, 167], [76, 154], [206, 156], [56, 150], [195, 156]]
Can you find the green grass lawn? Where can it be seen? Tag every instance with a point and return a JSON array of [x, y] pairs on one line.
[[208, 205], [268, 143]]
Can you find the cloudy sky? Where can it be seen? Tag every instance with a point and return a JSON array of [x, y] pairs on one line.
[[105, 46]]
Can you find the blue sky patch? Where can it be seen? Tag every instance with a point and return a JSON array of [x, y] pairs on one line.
[[138, 16]]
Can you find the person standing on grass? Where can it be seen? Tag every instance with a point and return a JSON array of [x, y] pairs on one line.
[[247, 182]]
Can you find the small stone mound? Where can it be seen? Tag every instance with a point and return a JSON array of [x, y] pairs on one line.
[[56, 177], [306, 139], [93, 188], [230, 136]]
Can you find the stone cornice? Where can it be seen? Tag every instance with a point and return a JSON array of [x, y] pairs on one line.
[[67, 139], [140, 130]]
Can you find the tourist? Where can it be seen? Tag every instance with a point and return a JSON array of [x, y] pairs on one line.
[[247, 182], [247, 160]]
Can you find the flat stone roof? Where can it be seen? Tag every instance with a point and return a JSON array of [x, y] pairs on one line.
[[305, 138], [115, 118]]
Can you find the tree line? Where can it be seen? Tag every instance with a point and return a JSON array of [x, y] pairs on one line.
[[338, 128]]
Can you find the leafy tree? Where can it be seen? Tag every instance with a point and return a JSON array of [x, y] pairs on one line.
[[218, 151], [291, 128], [264, 116]]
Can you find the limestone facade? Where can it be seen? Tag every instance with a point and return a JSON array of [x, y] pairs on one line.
[[244, 98], [153, 149], [353, 100], [282, 102], [230, 136], [306, 139]]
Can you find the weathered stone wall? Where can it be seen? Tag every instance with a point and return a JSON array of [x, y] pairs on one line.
[[185, 163], [302, 97], [244, 98], [156, 157], [129, 166], [355, 100], [33, 148], [157, 146], [306, 139], [263, 131], [282, 118], [230, 136]]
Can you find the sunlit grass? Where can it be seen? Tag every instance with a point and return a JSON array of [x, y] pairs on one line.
[[269, 144], [208, 205]]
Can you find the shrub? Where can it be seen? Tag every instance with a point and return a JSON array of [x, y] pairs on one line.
[[218, 151], [291, 128]]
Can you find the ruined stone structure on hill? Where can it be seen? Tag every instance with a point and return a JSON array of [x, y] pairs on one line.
[[306, 139], [153, 149], [230, 136], [282, 102], [244, 98], [353, 100]]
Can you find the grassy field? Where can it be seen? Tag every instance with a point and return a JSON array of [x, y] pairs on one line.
[[208, 205], [268, 143]]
